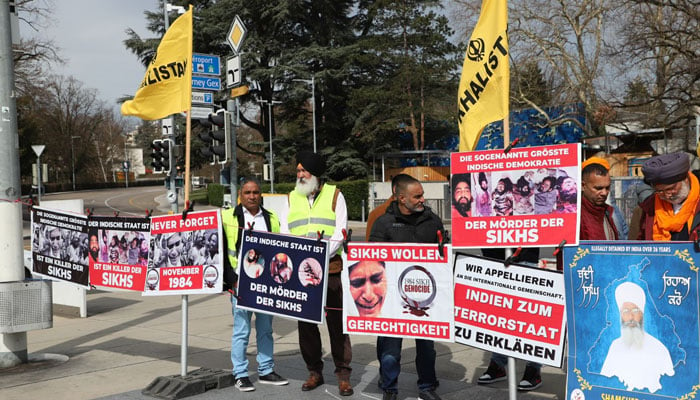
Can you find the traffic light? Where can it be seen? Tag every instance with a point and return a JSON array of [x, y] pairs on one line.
[[160, 154], [221, 135]]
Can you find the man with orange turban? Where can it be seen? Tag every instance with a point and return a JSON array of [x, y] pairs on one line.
[[599, 220], [671, 214]]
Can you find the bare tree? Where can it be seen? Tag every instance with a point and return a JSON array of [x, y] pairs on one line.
[[565, 37], [660, 42]]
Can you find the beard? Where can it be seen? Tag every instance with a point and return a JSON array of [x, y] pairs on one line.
[[307, 186], [463, 207], [682, 194], [633, 336]]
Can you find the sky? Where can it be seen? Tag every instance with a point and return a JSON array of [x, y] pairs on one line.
[[90, 36]]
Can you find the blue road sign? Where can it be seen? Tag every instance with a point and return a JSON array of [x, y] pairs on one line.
[[206, 64], [205, 83]]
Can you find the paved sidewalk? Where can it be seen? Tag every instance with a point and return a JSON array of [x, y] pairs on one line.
[[128, 340]]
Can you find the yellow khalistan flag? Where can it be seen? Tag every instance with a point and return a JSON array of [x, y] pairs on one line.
[[485, 83], [167, 87]]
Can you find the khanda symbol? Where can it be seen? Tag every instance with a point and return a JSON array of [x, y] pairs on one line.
[[475, 52]]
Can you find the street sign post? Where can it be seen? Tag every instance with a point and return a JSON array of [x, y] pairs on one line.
[[236, 34], [233, 71], [206, 64], [206, 83], [200, 112], [202, 98]]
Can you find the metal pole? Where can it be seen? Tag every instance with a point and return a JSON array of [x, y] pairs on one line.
[[272, 157], [183, 346], [126, 160], [232, 107], [72, 162], [38, 178], [13, 346], [313, 107]]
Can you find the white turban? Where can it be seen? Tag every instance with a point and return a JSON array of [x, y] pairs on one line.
[[630, 292]]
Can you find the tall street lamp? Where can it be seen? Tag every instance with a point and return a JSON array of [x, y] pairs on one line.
[[72, 159], [270, 103], [312, 82]]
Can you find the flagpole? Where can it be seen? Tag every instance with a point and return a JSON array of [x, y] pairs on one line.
[[188, 130]]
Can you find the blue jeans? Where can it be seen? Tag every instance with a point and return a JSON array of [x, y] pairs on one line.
[[502, 360], [389, 355], [239, 341]]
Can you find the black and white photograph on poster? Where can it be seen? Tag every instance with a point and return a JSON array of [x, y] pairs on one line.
[[60, 247], [185, 254], [179, 249]]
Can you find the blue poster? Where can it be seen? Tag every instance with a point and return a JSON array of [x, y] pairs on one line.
[[283, 275], [632, 309]]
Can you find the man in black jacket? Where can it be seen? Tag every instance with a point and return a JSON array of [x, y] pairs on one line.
[[407, 220]]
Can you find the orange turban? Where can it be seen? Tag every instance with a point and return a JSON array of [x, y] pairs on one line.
[[596, 160]]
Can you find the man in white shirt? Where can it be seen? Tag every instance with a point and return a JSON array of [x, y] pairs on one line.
[[638, 359]]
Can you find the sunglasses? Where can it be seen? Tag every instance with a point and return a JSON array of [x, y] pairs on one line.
[[55, 237], [171, 245]]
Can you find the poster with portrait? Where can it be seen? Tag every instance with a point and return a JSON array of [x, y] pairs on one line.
[[633, 320], [514, 310], [184, 254], [398, 289], [283, 275], [527, 197], [118, 249], [60, 245]]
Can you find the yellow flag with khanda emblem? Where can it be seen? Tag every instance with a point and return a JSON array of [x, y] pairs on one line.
[[485, 82], [167, 86]]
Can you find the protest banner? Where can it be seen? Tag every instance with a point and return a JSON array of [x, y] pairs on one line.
[[60, 245], [633, 320], [185, 254], [526, 197], [118, 248], [515, 310], [398, 289], [283, 275]]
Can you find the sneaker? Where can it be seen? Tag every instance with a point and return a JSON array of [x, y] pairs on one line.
[[244, 384], [389, 396], [429, 395], [494, 373], [531, 379], [273, 379]]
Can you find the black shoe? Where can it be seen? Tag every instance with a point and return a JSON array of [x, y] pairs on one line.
[[531, 379], [389, 396], [244, 384], [494, 373], [429, 395], [273, 379]]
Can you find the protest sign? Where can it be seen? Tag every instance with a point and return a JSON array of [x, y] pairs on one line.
[[60, 245], [118, 248], [283, 275], [633, 320], [515, 310], [398, 289], [185, 254], [526, 197]]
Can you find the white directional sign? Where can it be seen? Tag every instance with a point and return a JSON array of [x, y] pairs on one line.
[[38, 149], [236, 34], [233, 71], [166, 126], [200, 112]]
